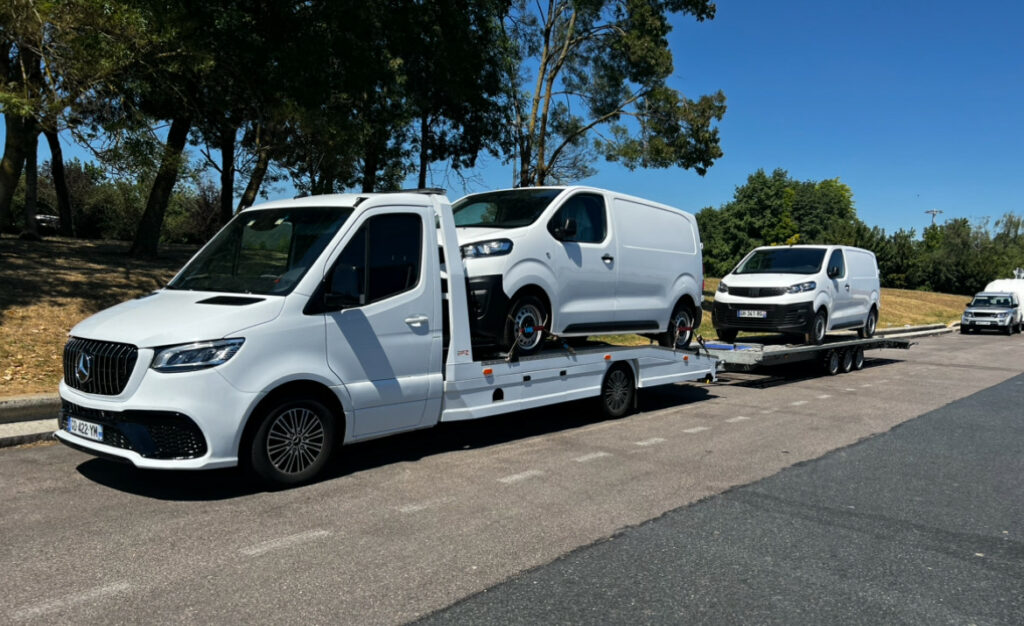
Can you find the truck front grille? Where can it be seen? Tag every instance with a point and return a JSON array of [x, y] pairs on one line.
[[99, 367], [153, 434]]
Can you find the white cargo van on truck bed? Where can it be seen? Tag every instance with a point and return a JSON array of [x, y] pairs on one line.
[[307, 324]]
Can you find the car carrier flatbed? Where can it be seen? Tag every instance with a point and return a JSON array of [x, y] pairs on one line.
[[836, 354]]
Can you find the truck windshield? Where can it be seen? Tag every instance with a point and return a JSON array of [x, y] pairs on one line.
[[503, 209], [263, 252], [783, 261]]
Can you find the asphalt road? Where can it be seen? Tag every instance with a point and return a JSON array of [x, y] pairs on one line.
[[407, 526]]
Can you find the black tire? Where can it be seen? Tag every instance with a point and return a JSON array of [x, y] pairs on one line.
[[963, 330], [870, 324], [1008, 330], [846, 361], [293, 442], [618, 390], [831, 363], [682, 317], [728, 335], [527, 312], [816, 331], [858, 358]]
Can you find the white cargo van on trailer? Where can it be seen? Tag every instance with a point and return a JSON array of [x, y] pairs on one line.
[[307, 324]]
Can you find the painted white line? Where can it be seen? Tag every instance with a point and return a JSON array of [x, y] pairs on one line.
[[413, 508], [849, 389], [514, 478], [650, 442], [592, 456], [284, 542], [78, 598], [824, 396], [866, 385], [798, 403], [738, 418], [768, 411], [696, 430]]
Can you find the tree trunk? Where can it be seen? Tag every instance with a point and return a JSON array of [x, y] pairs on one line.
[[147, 237], [424, 135], [370, 164], [60, 183], [10, 168], [259, 171], [31, 230], [227, 173]]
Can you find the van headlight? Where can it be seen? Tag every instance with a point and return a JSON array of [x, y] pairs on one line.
[[195, 356], [496, 247], [801, 287], [723, 288]]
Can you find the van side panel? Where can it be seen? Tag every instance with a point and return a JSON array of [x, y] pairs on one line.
[[864, 281], [658, 252]]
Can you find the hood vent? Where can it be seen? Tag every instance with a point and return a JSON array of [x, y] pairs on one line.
[[231, 300]]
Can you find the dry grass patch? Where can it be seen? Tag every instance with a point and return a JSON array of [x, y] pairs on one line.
[[48, 287]]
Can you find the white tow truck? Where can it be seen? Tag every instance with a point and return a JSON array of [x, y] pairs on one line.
[[312, 323]]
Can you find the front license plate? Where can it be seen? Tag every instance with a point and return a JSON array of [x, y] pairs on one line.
[[85, 429], [760, 314], [983, 323]]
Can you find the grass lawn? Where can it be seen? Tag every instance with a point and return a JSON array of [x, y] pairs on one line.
[[48, 287]]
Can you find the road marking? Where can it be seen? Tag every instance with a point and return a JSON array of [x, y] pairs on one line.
[[514, 478], [592, 456], [650, 442], [738, 418], [768, 411], [849, 389], [284, 542], [696, 430], [824, 396], [798, 403], [67, 601], [866, 385]]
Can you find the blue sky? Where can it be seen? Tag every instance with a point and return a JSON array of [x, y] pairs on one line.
[[914, 104]]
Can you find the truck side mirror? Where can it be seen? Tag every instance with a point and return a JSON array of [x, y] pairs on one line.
[[343, 288], [565, 231]]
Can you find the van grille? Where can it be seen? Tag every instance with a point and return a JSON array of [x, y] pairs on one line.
[[153, 434], [106, 366], [757, 292]]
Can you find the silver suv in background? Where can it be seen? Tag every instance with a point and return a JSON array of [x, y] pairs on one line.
[[992, 310]]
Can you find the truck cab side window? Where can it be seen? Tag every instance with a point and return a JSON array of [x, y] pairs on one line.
[[381, 260]]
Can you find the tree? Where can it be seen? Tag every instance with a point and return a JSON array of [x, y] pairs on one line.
[[597, 62]]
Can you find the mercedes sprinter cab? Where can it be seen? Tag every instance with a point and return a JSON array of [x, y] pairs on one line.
[[578, 261], [801, 290]]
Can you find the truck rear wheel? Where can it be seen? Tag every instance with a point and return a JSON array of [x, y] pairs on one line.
[[618, 390], [293, 442]]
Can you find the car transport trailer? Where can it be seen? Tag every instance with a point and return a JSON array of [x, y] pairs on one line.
[[836, 355]]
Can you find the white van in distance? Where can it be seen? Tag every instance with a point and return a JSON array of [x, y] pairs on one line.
[[578, 261], [802, 290]]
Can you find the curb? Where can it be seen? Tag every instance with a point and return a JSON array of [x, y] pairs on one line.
[[28, 408], [20, 440]]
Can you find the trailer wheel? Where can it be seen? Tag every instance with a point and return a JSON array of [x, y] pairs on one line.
[[858, 359], [816, 332], [293, 442], [831, 363], [618, 390], [846, 363]]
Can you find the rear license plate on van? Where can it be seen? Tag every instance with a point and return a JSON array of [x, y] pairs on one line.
[[85, 429], [760, 314]]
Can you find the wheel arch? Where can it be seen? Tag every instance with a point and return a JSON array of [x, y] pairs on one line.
[[300, 388]]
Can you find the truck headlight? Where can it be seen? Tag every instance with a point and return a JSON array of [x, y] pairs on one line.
[[801, 287], [496, 247], [195, 356]]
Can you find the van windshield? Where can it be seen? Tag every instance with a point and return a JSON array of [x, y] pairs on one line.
[[263, 252], [783, 261], [503, 209]]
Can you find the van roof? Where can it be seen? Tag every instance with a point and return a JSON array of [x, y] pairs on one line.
[[350, 200]]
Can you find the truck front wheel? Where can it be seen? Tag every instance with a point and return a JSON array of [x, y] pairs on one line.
[[293, 442]]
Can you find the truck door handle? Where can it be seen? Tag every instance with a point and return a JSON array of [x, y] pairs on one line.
[[607, 258], [416, 320]]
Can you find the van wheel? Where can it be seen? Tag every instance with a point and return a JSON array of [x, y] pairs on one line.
[[524, 326], [831, 363], [816, 333], [293, 442], [846, 363], [618, 390], [870, 323], [858, 358], [727, 335], [681, 318]]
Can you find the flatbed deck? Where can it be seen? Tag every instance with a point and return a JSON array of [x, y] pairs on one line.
[[744, 356]]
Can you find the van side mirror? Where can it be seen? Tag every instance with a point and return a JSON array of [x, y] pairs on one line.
[[343, 288], [565, 231], [833, 272]]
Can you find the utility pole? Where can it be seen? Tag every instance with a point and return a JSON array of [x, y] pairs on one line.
[[933, 213]]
